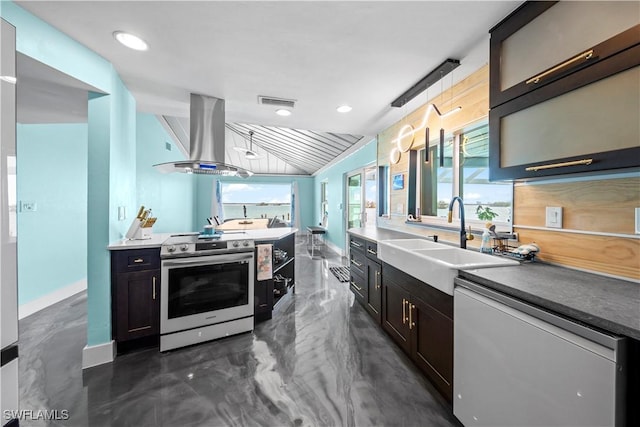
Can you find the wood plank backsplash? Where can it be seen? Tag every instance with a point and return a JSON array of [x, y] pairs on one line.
[[589, 207], [597, 206]]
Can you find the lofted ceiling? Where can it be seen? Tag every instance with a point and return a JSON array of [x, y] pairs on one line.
[[320, 53]]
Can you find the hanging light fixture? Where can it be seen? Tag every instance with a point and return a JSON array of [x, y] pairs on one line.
[[441, 130], [426, 134], [249, 154]]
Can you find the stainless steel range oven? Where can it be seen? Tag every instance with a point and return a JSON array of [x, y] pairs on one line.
[[206, 288]]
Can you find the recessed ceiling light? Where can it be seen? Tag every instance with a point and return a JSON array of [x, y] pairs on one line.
[[130, 41], [343, 109], [283, 112]]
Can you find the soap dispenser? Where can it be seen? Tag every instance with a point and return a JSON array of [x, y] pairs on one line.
[[485, 246]]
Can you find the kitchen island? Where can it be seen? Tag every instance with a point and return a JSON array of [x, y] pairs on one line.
[[136, 280]]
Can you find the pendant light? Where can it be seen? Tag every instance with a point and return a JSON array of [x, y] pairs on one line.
[[441, 130], [426, 133]]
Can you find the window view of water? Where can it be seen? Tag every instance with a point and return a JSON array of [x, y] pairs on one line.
[[257, 210]]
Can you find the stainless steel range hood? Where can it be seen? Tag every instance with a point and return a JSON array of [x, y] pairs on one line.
[[206, 140]]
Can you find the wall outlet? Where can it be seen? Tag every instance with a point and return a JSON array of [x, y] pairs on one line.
[[553, 217], [122, 213], [28, 206], [637, 220]]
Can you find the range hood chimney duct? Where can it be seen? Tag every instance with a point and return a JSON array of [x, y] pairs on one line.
[[206, 140]]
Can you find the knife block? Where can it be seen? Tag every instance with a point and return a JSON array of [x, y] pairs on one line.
[[137, 232]]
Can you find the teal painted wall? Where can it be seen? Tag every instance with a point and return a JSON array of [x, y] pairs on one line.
[[59, 189], [111, 157], [335, 176], [41, 41], [204, 192], [171, 196]]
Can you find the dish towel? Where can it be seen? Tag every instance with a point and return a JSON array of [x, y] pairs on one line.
[[265, 262]]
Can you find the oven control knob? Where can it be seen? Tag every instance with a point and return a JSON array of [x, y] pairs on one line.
[[171, 248], [245, 243], [184, 247], [235, 244]]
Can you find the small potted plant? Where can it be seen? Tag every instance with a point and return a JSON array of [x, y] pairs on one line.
[[485, 214]]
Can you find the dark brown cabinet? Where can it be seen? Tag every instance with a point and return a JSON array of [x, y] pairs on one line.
[[374, 289], [366, 275], [576, 113], [373, 275], [267, 293], [419, 319], [358, 269], [135, 294]]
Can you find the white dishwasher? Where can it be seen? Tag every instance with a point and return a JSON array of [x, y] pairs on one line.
[[518, 365]]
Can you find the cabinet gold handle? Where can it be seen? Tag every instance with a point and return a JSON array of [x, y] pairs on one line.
[[154, 287], [138, 260], [356, 286], [559, 165], [377, 280], [412, 324], [356, 263], [404, 313], [372, 252], [584, 55], [357, 245]]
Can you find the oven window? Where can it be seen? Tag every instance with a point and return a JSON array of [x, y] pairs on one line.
[[201, 289]]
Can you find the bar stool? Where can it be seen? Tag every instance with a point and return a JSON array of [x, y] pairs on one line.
[[315, 237]]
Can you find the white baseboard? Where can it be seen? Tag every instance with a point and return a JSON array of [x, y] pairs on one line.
[[58, 295], [98, 354], [335, 248]]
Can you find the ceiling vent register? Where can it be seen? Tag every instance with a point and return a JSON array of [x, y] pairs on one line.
[[277, 102]]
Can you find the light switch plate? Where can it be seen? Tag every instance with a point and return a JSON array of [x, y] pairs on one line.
[[122, 213], [637, 220], [553, 217], [28, 206]]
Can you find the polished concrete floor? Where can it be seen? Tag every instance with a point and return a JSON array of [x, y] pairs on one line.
[[321, 361]]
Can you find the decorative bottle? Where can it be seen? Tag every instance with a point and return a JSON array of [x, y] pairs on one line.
[[485, 246]]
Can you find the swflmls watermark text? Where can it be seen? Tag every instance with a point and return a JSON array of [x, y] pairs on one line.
[[33, 415]]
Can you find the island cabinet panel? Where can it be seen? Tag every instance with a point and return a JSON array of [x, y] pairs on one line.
[[419, 319], [564, 85], [135, 294], [268, 293]]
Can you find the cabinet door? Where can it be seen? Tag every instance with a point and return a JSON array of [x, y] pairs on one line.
[[358, 286], [374, 290], [138, 304], [395, 316], [356, 262], [432, 344], [263, 300], [554, 40]]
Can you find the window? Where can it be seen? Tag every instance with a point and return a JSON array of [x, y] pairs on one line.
[[483, 200], [383, 193], [240, 200], [462, 169], [324, 202]]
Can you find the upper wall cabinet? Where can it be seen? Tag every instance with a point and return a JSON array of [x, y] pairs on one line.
[[565, 89]]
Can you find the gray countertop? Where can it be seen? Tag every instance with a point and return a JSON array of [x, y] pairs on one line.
[[376, 234], [604, 302], [595, 300]]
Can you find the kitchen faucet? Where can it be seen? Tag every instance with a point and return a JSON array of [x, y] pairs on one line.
[[463, 234]]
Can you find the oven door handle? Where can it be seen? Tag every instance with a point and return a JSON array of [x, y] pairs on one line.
[[216, 259]]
